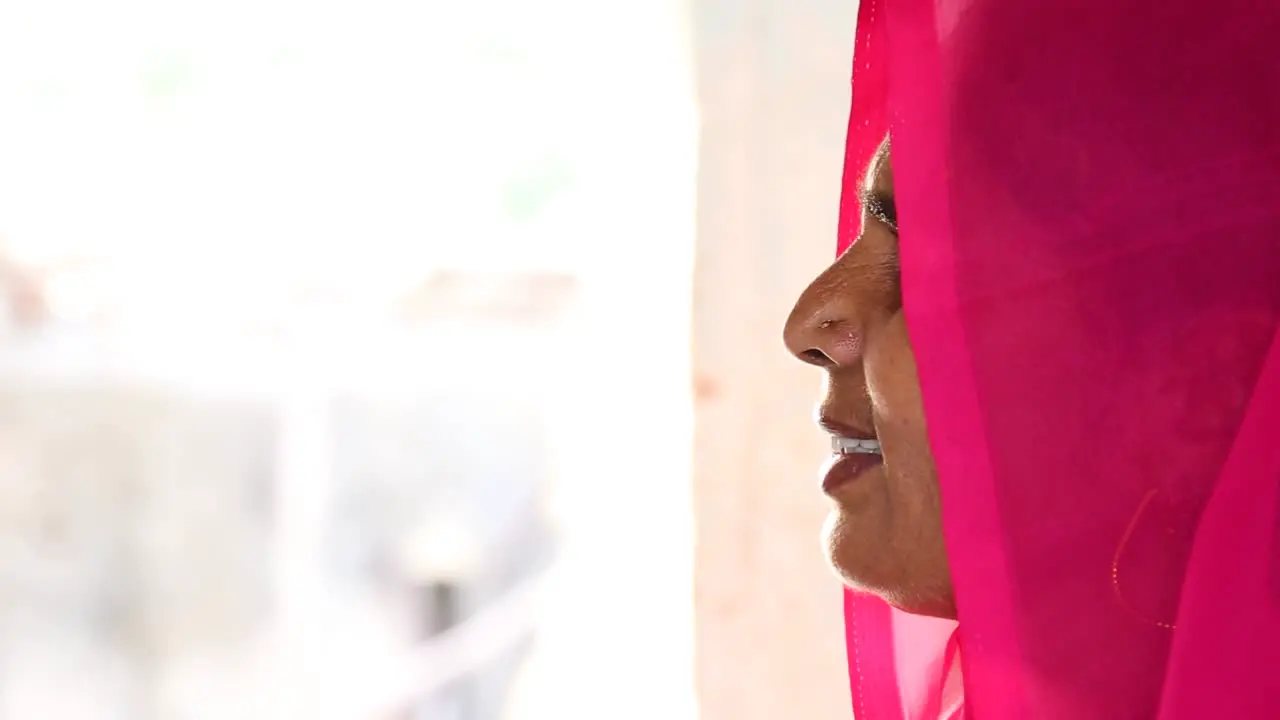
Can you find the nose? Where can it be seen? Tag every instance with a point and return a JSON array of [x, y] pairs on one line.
[[824, 327]]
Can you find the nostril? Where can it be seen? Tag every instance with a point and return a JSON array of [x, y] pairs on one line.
[[813, 356]]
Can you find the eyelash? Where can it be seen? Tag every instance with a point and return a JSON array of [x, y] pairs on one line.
[[873, 208], [882, 217]]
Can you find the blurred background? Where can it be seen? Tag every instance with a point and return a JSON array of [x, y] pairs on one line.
[[413, 361]]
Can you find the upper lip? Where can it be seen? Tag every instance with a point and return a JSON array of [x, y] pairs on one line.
[[844, 430]]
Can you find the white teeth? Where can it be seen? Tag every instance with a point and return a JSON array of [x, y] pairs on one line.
[[847, 446]]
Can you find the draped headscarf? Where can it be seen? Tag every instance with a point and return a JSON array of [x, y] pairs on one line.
[[1089, 208]]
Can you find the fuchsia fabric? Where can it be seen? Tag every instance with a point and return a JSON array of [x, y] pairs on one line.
[[1089, 203]]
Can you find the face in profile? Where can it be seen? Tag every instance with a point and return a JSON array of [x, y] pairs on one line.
[[884, 533]]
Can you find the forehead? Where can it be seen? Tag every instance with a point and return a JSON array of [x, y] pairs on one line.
[[879, 174]]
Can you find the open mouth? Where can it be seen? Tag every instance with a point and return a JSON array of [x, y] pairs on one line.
[[850, 458]]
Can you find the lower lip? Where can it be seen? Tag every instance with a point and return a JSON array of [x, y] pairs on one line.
[[841, 470]]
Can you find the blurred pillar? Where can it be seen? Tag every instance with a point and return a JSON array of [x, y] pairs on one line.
[[773, 90]]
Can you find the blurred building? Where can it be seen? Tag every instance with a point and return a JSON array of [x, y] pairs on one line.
[[148, 542]]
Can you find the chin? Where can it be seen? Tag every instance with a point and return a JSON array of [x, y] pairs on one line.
[[915, 585]]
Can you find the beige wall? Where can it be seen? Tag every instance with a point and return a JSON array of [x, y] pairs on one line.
[[773, 94]]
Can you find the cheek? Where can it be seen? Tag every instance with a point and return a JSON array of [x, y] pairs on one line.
[[892, 380], [900, 422]]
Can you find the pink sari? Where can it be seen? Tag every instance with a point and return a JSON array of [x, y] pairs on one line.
[[1089, 201]]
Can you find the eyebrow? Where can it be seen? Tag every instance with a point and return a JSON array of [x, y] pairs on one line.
[[879, 204]]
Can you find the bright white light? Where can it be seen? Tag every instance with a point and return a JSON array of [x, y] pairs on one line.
[[286, 170]]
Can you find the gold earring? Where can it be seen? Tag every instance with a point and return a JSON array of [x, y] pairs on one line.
[[1115, 565]]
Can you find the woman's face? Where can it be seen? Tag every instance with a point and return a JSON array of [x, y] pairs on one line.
[[884, 533]]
